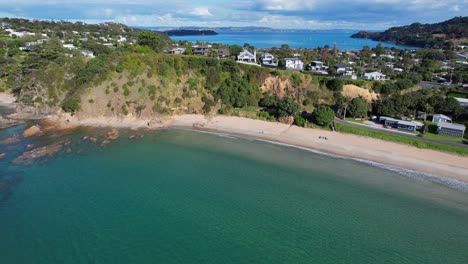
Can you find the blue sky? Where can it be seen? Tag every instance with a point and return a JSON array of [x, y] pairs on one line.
[[308, 14]]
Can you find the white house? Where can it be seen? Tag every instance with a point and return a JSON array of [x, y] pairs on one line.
[[318, 66], [294, 64], [344, 70], [19, 34], [268, 60], [69, 46], [87, 53], [462, 101], [376, 76], [247, 57], [177, 51], [441, 118]]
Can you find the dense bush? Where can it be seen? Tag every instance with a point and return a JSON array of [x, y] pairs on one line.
[[323, 116]]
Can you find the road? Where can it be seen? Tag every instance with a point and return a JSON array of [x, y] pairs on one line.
[[390, 132]]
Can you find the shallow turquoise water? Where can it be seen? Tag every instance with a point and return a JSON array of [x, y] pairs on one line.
[[186, 197]]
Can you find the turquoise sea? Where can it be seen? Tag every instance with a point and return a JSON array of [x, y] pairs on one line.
[[179, 196], [296, 39]]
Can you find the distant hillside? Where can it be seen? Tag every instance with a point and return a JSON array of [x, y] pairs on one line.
[[422, 35], [187, 32]]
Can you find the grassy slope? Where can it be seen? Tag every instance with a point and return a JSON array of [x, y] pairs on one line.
[[414, 142]]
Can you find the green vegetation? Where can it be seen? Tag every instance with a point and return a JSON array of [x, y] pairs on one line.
[[323, 116], [400, 139], [422, 35], [358, 107]]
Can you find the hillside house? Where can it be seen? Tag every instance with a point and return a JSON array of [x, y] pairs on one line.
[[462, 101], [294, 64], [268, 60], [247, 57], [318, 66], [344, 70], [203, 50], [441, 118], [177, 51], [223, 53], [375, 76], [451, 129]]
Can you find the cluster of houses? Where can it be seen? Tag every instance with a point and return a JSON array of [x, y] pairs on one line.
[[444, 125], [69, 37]]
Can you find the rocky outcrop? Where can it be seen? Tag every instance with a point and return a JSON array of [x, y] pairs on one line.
[[10, 140], [29, 157], [32, 131]]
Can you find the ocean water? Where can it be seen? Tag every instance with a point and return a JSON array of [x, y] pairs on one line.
[[298, 39], [179, 196]]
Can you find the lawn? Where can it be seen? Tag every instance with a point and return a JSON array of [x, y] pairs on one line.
[[350, 119], [400, 139]]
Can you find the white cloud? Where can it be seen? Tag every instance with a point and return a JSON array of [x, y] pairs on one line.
[[200, 11], [455, 8], [288, 5]]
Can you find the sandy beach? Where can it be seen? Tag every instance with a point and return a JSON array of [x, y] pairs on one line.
[[389, 153], [346, 145]]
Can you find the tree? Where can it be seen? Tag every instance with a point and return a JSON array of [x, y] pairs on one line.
[[288, 106], [358, 107], [335, 85], [151, 39], [323, 115]]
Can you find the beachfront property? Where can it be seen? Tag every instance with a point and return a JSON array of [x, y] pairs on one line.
[[247, 57], [268, 60], [441, 118], [407, 126], [451, 129], [294, 64], [462, 101], [375, 76], [203, 50]]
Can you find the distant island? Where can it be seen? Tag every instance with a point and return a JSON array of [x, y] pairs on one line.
[[437, 35], [190, 32]]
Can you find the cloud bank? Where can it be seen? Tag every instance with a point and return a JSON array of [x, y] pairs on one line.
[[307, 14]]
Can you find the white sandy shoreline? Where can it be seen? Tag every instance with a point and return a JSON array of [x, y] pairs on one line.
[[346, 145], [427, 161]]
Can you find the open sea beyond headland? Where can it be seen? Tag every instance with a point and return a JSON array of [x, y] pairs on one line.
[[179, 196], [296, 39]]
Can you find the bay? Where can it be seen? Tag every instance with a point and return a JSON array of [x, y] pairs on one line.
[[186, 197], [296, 39]]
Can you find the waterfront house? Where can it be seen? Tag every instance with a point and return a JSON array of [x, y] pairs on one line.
[[268, 60], [294, 64], [375, 76], [462, 101], [408, 126], [451, 129], [441, 118], [247, 57]]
